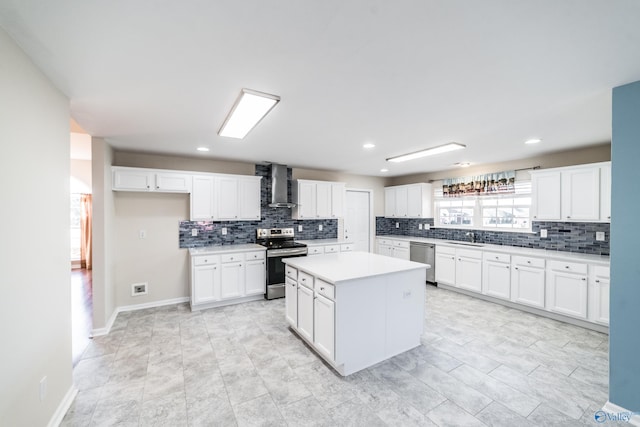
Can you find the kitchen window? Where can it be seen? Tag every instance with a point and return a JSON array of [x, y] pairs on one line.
[[502, 212]]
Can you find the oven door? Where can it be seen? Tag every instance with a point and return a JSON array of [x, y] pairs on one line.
[[276, 271]]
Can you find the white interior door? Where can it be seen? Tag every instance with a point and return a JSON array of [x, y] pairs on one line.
[[357, 219]]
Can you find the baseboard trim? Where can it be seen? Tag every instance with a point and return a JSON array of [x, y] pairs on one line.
[[614, 409], [105, 331], [63, 407]]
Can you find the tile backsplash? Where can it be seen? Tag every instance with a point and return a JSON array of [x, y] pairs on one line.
[[238, 232], [561, 236]]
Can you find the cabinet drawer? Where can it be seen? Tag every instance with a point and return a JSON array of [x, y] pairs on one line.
[[254, 255], [528, 261], [387, 242], [291, 272], [332, 249], [346, 247], [601, 271], [571, 267], [497, 257], [469, 253], [400, 244], [305, 279], [205, 260], [315, 250], [325, 289], [445, 250], [232, 257]]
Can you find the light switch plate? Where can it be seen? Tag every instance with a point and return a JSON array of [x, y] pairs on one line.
[[142, 234], [543, 233], [397, 225], [194, 232], [427, 226], [319, 227], [299, 228], [600, 236], [419, 226], [224, 231]]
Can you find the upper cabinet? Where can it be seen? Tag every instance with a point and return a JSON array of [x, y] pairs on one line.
[[408, 201], [214, 197], [577, 193], [318, 199], [137, 179]]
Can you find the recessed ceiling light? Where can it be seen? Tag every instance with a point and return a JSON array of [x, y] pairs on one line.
[[250, 107], [532, 141], [452, 146], [202, 149], [384, 170], [368, 146], [463, 164]]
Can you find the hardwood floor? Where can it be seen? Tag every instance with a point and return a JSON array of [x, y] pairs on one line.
[[81, 311]]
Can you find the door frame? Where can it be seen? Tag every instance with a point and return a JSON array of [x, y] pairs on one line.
[[372, 219]]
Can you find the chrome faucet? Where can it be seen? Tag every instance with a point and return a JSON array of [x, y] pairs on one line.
[[472, 236]]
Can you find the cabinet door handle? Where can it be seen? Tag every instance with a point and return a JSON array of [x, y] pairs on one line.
[[528, 262], [497, 257], [608, 217], [535, 216], [516, 268], [567, 267], [597, 281], [584, 279], [322, 289], [507, 266], [568, 217]]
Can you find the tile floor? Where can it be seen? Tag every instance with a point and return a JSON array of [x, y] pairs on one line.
[[479, 364]]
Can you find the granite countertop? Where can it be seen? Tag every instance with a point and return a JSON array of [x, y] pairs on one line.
[[512, 250], [219, 249], [345, 266], [322, 242]]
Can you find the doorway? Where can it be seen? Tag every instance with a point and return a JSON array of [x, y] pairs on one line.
[[358, 220]]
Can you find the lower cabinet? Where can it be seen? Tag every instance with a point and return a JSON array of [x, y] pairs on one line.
[[324, 326], [224, 277], [527, 281], [291, 301], [305, 312], [445, 265], [393, 248], [598, 295], [469, 269], [496, 275], [567, 288]]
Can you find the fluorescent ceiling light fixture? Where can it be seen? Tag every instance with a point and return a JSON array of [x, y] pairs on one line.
[[250, 107], [203, 149], [533, 141], [452, 146], [368, 146]]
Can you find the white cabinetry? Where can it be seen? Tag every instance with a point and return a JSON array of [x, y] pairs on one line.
[[173, 182], [576, 193], [445, 265], [291, 301], [598, 295], [133, 179], [238, 198], [408, 201], [206, 279], [393, 248], [567, 288], [527, 281], [581, 194], [324, 319], [227, 278], [318, 199], [496, 275], [469, 269], [305, 305], [202, 204]]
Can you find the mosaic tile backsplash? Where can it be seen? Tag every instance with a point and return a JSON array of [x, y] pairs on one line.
[[239, 232], [561, 236]]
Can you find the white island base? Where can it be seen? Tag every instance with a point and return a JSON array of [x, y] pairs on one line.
[[356, 309]]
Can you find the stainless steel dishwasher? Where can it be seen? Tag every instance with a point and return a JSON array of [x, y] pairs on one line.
[[426, 254]]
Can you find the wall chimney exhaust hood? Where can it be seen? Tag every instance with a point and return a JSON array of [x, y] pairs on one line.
[[279, 196]]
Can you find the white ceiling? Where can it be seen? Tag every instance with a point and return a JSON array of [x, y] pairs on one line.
[[160, 76]]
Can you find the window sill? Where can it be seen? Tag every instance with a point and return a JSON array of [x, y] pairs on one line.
[[472, 228]]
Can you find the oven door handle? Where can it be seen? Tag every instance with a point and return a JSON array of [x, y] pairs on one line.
[[275, 253]]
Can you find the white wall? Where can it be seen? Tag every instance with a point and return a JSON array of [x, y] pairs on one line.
[[102, 232], [80, 176], [35, 308]]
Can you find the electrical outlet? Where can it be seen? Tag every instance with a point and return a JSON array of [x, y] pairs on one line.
[[543, 233], [397, 225], [194, 232], [419, 226], [319, 227], [299, 228], [600, 236], [138, 289], [427, 226], [43, 388], [224, 231], [142, 234]]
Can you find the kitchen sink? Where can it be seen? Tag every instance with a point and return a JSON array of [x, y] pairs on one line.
[[466, 243]]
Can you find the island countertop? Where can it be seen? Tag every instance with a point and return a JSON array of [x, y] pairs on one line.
[[352, 265]]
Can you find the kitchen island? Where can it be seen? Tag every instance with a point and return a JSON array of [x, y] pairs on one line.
[[356, 309]]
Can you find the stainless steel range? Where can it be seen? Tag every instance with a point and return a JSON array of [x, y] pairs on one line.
[[280, 244]]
